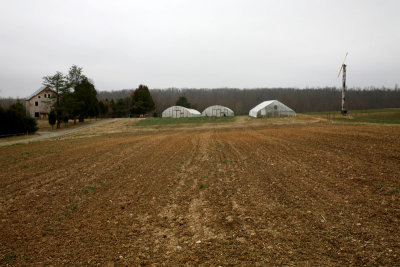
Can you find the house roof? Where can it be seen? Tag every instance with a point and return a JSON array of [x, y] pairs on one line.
[[37, 92]]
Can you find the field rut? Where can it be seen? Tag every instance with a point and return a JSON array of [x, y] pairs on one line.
[[310, 194]]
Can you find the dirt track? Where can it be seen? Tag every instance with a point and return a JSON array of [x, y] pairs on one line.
[[305, 194], [40, 136]]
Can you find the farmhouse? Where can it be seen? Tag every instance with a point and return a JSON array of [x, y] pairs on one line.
[[39, 103], [217, 111], [271, 108], [180, 112]]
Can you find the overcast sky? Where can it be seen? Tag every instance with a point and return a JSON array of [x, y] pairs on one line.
[[199, 44]]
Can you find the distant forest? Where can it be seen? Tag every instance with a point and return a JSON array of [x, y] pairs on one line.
[[242, 100]]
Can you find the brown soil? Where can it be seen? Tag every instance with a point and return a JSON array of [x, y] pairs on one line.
[[279, 194]]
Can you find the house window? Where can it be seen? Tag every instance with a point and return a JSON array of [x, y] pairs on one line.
[[36, 103], [44, 95], [36, 114], [38, 96]]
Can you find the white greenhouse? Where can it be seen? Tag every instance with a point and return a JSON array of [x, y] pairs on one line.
[[180, 112], [217, 111], [271, 108]]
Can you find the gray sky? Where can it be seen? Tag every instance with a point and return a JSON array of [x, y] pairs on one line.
[[200, 44]]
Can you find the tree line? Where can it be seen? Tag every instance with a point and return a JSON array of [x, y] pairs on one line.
[[242, 100], [76, 98], [136, 103]]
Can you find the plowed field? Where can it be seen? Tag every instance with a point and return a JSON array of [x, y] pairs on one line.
[[289, 194]]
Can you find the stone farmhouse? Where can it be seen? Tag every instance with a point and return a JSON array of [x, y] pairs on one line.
[[39, 103]]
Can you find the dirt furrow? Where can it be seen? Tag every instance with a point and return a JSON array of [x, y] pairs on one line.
[[304, 194]]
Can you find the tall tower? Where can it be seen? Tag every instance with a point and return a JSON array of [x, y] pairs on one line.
[[344, 109], [343, 68]]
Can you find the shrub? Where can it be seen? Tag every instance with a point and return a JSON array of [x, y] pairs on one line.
[[52, 118], [15, 121]]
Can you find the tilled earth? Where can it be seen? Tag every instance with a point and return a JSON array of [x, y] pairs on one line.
[[307, 194]]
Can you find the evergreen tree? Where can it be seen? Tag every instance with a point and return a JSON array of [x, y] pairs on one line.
[[142, 102], [112, 105], [121, 108], [85, 98], [15, 121], [103, 109], [58, 83], [72, 104], [74, 76], [183, 102], [52, 118]]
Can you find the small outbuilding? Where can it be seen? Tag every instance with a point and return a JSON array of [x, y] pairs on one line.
[[180, 112], [217, 111], [271, 108]]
